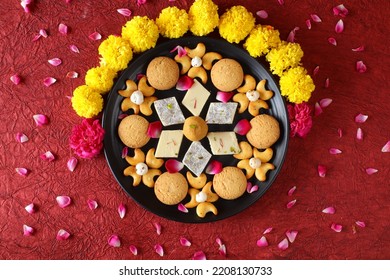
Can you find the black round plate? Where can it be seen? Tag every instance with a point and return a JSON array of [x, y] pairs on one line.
[[113, 146]]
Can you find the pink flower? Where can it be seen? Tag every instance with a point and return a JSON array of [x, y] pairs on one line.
[[300, 119], [86, 139]]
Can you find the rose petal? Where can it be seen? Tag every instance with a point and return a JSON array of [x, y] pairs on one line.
[[124, 151], [325, 102], [340, 132], [25, 4], [214, 167], [315, 18], [122, 210], [358, 49], [63, 29], [250, 188], [72, 74], [386, 147], [340, 10], [336, 227], [262, 14], [283, 245], [291, 191], [48, 81], [316, 69], [291, 35], [114, 241], [291, 235], [329, 210], [43, 33], [332, 41], [36, 37], [140, 2], [154, 129], [262, 242], [22, 171], [281, 2], [63, 201], [62, 235], [40, 119], [74, 48], [291, 203], [222, 250], [242, 127], [184, 83], [159, 250], [326, 83], [334, 151], [55, 61], [48, 156], [360, 224], [122, 116], [92, 204], [359, 134], [361, 67], [224, 96], [157, 226], [173, 165], [184, 242], [360, 118], [133, 250], [339, 26], [308, 23], [95, 36], [268, 230], [199, 256], [218, 241], [371, 170], [180, 51], [27, 230], [16, 79], [317, 109], [72, 163], [30, 208], [321, 170], [124, 12], [21, 137], [182, 208]]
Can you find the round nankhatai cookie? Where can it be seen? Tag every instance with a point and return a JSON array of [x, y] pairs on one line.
[[171, 188], [230, 183], [162, 73], [265, 131], [133, 130], [227, 74], [195, 128]]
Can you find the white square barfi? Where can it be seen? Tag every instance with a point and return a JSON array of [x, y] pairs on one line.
[[169, 112], [223, 143], [196, 158], [221, 113], [195, 98], [169, 144]]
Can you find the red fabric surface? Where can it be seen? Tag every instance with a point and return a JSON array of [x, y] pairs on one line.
[[355, 195]]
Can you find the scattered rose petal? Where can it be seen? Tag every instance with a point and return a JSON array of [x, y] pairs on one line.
[[122, 116], [124, 12], [262, 14], [291, 191], [291, 203], [48, 81], [340, 132], [340, 10], [43, 33], [74, 48], [72, 75], [283, 245], [214, 167], [326, 82], [339, 26], [325, 102], [334, 151], [48, 156], [360, 224], [321, 170], [55, 61], [25, 4], [21, 137], [316, 69], [95, 36], [133, 250], [329, 210], [184, 83], [63, 29], [308, 23], [182, 208], [222, 250], [140, 2], [22, 171], [315, 18], [114, 241], [199, 256], [184, 242], [122, 210], [360, 118], [124, 151], [218, 241], [63, 201], [36, 37], [291, 35], [336, 227], [92, 204], [361, 67], [262, 242], [317, 109], [386, 147], [27, 230], [291, 235], [224, 96], [250, 188], [281, 2], [242, 127], [173, 165], [332, 41], [371, 171], [159, 250], [16, 79], [268, 230], [30, 208], [359, 134], [180, 51], [157, 226], [154, 129], [72, 163], [358, 49], [40, 119], [62, 235], [139, 76]]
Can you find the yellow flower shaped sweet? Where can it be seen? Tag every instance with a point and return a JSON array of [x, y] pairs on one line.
[[141, 32], [261, 39], [100, 78], [235, 24], [172, 22], [115, 53], [287, 55], [296, 85], [86, 101], [203, 17]]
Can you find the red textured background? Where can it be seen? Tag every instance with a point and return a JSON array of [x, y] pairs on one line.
[[355, 195]]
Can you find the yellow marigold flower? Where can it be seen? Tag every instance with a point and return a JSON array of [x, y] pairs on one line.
[[261, 39], [285, 56], [86, 101], [296, 85], [172, 22], [203, 17], [141, 32], [100, 78], [115, 53], [235, 24]]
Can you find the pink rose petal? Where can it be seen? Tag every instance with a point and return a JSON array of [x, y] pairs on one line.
[[283, 245], [74, 48], [72, 163], [21, 137], [224, 96], [291, 235], [332, 41], [173, 165], [55, 61], [36, 37], [291, 191], [218, 241], [114, 241], [122, 210], [340, 10], [317, 109], [40, 119], [336, 227], [184, 83], [157, 226], [214, 167], [154, 129], [316, 70], [329, 210], [291, 35], [92, 204], [268, 230], [281, 2], [308, 23], [358, 49], [43, 33], [140, 2], [184, 242], [182, 208], [250, 188], [30, 208], [340, 132], [262, 242], [62, 235], [339, 26], [122, 116], [72, 74], [360, 118], [262, 14], [199, 256], [359, 134], [25, 4], [124, 151], [159, 250], [22, 171], [16, 79], [291, 203], [360, 224], [371, 170], [326, 83], [334, 151], [63, 201], [133, 250], [95, 36], [48, 156], [222, 250], [180, 51], [315, 18], [27, 230], [124, 12], [62, 28], [242, 127], [321, 169], [386, 147], [48, 81], [325, 102], [361, 67]]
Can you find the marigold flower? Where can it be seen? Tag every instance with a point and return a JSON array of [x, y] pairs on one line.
[[100, 78], [296, 85], [172, 22], [141, 32], [203, 17], [115, 53], [287, 55], [261, 39], [300, 119], [86, 101], [235, 24]]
